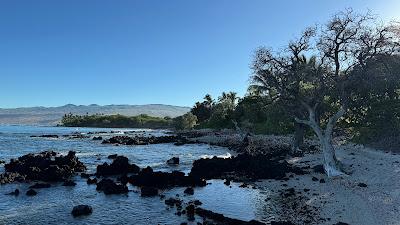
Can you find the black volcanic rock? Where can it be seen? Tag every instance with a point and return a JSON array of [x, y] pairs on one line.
[[144, 140], [15, 192], [109, 187], [44, 166], [189, 191], [173, 161], [81, 210], [10, 177], [120, 165], [147, 177], [242, 166]]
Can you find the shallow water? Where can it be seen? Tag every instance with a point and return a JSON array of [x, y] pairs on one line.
[[54, 205]]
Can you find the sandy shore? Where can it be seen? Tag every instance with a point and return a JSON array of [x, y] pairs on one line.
[[335, 200]]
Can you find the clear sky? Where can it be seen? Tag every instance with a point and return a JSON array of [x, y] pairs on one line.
[[139, 52]]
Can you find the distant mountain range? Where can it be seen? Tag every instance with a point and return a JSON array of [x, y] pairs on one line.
[[53, 115]]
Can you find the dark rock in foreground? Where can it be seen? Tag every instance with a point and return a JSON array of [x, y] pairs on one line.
[[147, 177], [242, 167], [81, 210], [109, 187], [120, 165], [44, 166]]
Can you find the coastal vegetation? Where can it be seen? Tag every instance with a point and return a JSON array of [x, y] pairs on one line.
[[346, 71], [116, 121], [186, 121]]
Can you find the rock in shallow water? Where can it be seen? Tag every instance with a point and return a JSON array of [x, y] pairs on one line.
[[81, 210], [147, 177], [173, 161], [109, 187], [189, 191], [45, 166], [120, 165], [15, 192]]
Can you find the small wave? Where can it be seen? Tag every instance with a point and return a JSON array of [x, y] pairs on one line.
[[224, 156]]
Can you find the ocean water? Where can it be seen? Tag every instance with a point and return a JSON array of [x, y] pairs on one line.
[[54, 205]]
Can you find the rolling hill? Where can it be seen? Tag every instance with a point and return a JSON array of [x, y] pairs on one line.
[[53, 115]]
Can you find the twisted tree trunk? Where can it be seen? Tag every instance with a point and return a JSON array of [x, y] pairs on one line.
[[298, 137], [331, 164]]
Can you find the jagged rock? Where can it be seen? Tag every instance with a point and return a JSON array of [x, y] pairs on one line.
[[10, 177], [81, 210], [143, 140], [173, 202], [189, 191], [147, 177], [108, 186], [97, 138], [173, 161], [45, 166], [120, 165], [242, 166]]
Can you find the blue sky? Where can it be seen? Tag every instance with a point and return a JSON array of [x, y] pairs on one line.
[[139, 52]]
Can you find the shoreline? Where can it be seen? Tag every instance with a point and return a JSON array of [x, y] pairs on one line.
[[367, 196]]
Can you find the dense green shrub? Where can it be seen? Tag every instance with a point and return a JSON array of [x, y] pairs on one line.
[[115, 121], [184, 122]]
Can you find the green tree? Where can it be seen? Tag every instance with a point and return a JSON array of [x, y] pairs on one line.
[[202, 110], [185, 122]]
